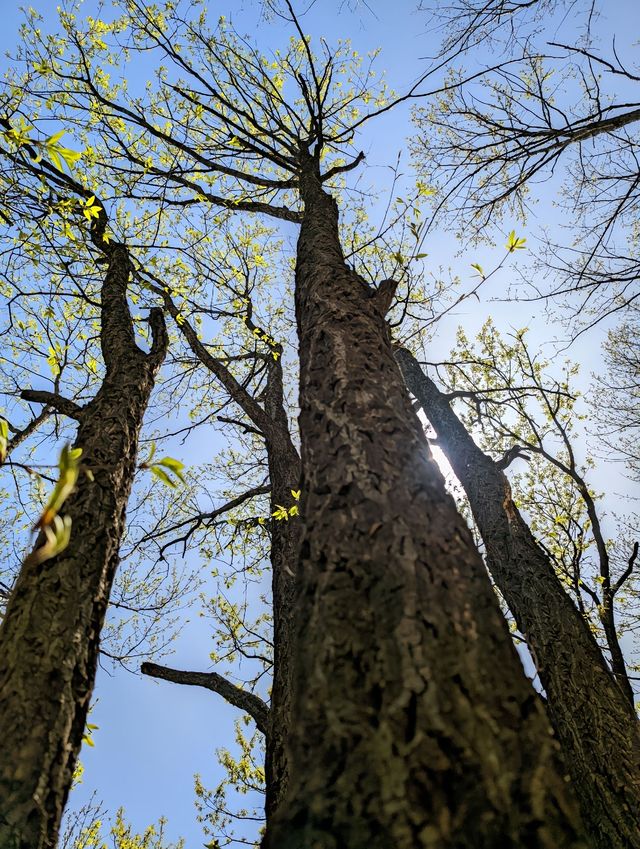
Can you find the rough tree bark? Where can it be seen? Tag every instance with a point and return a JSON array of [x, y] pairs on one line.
[[50, 635], [597, 728], [414, 724]]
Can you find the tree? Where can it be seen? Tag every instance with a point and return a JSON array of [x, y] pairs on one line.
[[370, 493], [87, 832], [621, 387], [372, 496], [599, 739], [270, 421], [50, 632], [495, 137], [550, 105]]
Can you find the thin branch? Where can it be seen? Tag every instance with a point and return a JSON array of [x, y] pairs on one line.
[[205, 519], [627, 572], [341, 169], [20, 435]]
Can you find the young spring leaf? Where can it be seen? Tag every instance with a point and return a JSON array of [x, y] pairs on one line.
[[514, 243]]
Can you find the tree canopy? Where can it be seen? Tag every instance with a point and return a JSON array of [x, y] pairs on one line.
[[260, 367]]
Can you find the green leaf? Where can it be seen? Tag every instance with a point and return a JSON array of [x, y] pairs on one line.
[[514, 243], [53, 156], [423, 189], [4, 439], [57, 535], [69, 466], [69, 156], [152, 451], [174, 466], [52, 140], [160, 473]]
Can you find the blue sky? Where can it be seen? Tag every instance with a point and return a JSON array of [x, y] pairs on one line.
[[153, 736]]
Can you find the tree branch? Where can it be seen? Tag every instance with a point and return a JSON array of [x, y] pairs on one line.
[[341, 169], [159, 336], [514, 453], [205, 519], [238, 393], [384, 295], [627, 572], [52, 399], [248, 702], [19, 436]]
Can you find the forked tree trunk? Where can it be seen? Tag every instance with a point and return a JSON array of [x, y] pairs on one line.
[[597, 729], [414, 726], [50, 635]]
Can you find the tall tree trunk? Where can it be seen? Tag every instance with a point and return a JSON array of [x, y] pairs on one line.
[[50, 635], [414, 723], [284, 475], [597, 729]]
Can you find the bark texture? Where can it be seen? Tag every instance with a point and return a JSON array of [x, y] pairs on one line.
[[50, 635], [597, 729], [415, 727]]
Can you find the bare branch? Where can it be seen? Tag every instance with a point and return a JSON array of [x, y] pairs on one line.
[[234, 695], [52, 399], [627, 572], [19, 436]]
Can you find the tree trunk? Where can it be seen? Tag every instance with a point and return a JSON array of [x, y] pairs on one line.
[[50, 635], [595, 725], [272, 422], [284, 475], [414, 724]]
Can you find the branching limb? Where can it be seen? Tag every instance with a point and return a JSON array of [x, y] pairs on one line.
[[159, 336], [239, 394], [244, 427], [205, 520], [627, 572], [384, 295], [19, 436], [514, 453], [341, 169]]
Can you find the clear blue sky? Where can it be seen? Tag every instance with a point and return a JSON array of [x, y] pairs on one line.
[[152, 736]]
